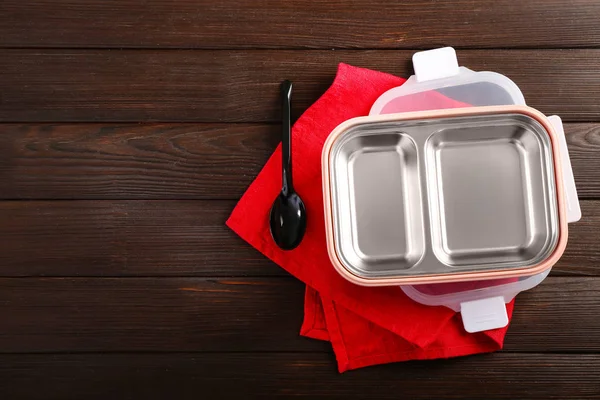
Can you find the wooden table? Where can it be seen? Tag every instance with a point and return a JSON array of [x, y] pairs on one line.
[[129, 130]]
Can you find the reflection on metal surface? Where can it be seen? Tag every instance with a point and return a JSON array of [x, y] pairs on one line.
[[437, 196]]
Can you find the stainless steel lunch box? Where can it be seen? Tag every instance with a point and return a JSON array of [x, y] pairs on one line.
[[444, 196]]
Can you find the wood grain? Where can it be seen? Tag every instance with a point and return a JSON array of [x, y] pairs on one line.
[[583, 141], [242, 86], [239, 314], [174, 238], [118, 277], [176, 161], [287, 375], [301, 24], [112, 238], [132, 161]]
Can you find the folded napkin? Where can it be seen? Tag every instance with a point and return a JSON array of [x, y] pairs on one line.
[[365, 325]]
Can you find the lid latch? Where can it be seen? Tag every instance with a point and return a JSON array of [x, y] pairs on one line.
[[484, 314], [435, 64]]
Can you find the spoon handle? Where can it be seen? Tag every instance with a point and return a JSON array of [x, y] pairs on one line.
[[286, 139]]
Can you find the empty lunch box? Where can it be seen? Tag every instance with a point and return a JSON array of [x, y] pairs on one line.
[[444, 196], [509, 228]]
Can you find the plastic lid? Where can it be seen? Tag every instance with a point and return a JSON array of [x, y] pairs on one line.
[[437, 70], [481, 303], [477, 301]]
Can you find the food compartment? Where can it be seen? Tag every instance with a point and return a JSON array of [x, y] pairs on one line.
[[445, 196], [488, 187], [377, 201]]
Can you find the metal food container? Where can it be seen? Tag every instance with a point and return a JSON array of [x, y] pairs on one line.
[[444, 196]]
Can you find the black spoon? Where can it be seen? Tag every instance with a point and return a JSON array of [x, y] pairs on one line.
[[288, 214]]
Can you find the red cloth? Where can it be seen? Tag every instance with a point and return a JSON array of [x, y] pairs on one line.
[[365, 325]]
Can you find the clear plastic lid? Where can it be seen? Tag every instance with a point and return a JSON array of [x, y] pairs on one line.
[[437, 73], [439, 83], [481, 303]]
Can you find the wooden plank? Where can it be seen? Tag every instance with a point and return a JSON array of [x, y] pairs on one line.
[[582, 235], [112, 238], [174, 238], [584, 151], [306, 24], [242, 86], [285, 375], [238, 314], [175, 161], [132, 161], [152, 314], [295, 375]]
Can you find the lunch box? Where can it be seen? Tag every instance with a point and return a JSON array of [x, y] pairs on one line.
[[461, 207]]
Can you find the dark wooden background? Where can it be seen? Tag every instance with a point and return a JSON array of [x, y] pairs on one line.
[[129, 129]]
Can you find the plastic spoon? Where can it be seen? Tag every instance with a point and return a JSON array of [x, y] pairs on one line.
[[288, 214]]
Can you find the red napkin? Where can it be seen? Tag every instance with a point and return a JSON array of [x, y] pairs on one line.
[[366, 326]]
